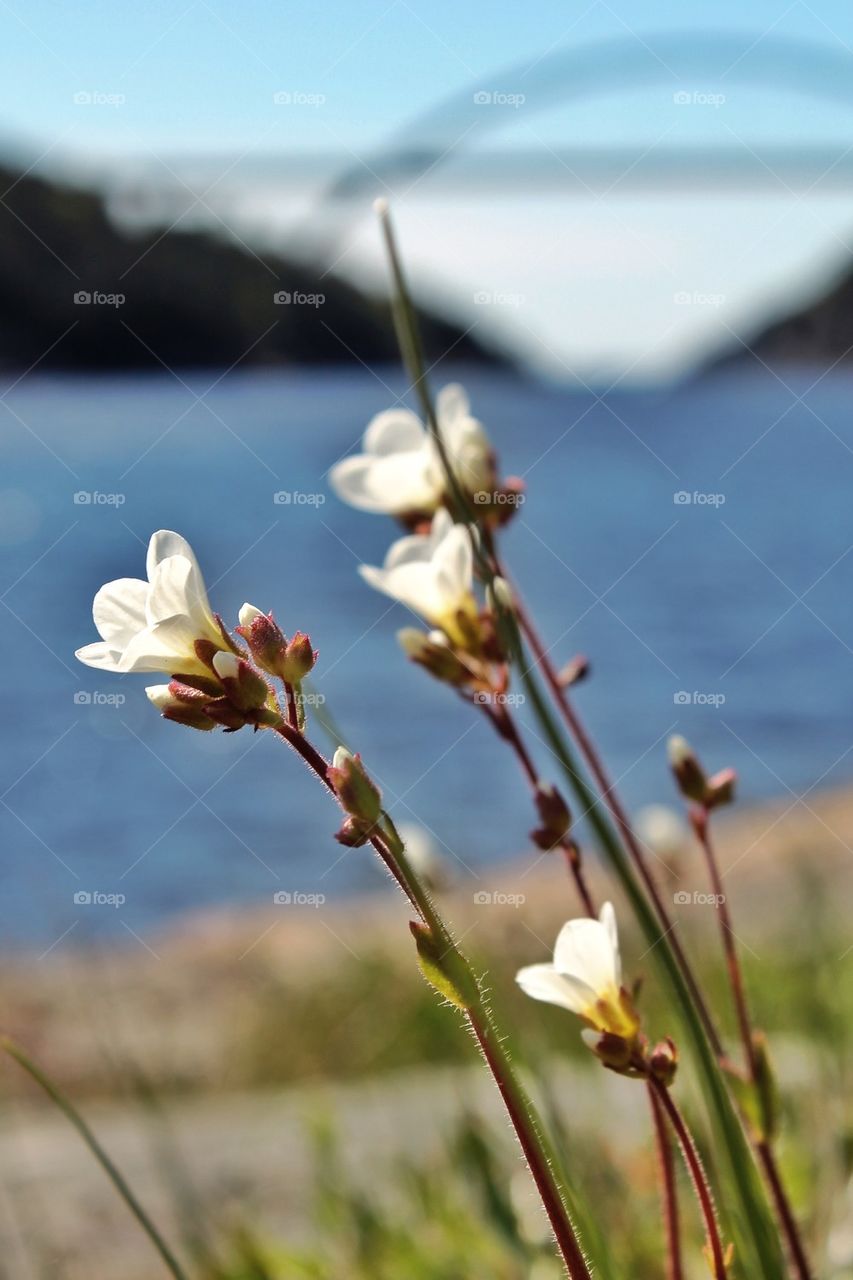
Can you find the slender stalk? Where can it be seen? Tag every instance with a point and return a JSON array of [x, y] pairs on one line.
[[669, 1191], [693, 1161], [116, 1177], [508, 730], [753, 1225], [701, 822], [391, 850], [609, 796]]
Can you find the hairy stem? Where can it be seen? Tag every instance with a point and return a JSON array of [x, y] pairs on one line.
[[696, 1170], [391, 850], [669, 1191], [700, 819]]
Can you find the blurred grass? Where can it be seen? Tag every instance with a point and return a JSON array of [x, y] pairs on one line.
[[299, 1010]]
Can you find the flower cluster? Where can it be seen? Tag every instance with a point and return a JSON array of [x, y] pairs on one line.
[[432, 569], [167, 625]]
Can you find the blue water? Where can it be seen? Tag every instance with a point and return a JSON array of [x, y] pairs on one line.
[[749, 599]]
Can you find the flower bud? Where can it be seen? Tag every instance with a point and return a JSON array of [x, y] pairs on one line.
[[688, 772], [161, 696], [555, 817], [269, 646], [247, 615], [614, 1051], [721, 789], [355, 790], [574, 671], [353, 833], [298, 659], [244, 688], [663, 1061], [432, 651], [499, 594]]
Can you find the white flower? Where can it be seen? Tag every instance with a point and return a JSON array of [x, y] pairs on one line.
[[586, 975], [153, 625], [431, 573], [400, 471]]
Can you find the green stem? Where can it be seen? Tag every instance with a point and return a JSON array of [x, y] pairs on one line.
[[757, 1236], [71, 1113]]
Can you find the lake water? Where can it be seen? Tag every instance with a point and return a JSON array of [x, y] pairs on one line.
[[727, 617]]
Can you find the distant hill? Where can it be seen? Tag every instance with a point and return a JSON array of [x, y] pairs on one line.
[[819, 333], [172, 298]]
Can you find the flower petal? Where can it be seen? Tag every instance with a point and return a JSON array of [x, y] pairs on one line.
[[119, 610], [542, 982], [99, 655], [453, 563], [607, 916], [451, 404], [166, 546], [394, 431], [584, 951]]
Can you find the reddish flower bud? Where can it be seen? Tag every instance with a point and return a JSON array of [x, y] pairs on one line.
[[663, 1061], [555, 816], [721, 788], [687, 770], [355, 790], [244, 688], [289, 661]]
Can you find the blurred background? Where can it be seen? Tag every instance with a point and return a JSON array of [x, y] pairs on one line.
[[628, 232]]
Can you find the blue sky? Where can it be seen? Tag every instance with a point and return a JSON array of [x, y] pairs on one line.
[[591, 283]]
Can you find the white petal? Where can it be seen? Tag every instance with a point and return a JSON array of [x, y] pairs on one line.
[[174, 594], [454, 564], [247, 615], [393, 485], [542, 982], [226, 665], [607, 916], [99, 655], [119, 610], [341, 757], [351, 481], [441, 525], [394, 431], [163, 545], [584, 951], [166, 547], [162, 648], [159, 694], [415, 548], [451, 404]]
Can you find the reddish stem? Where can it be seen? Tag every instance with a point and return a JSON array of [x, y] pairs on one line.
[[561, 1226], [700, 823], [697, 1174], [292, 709], [608, 795], [700, 819], [508, 730], [669, 1193]]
